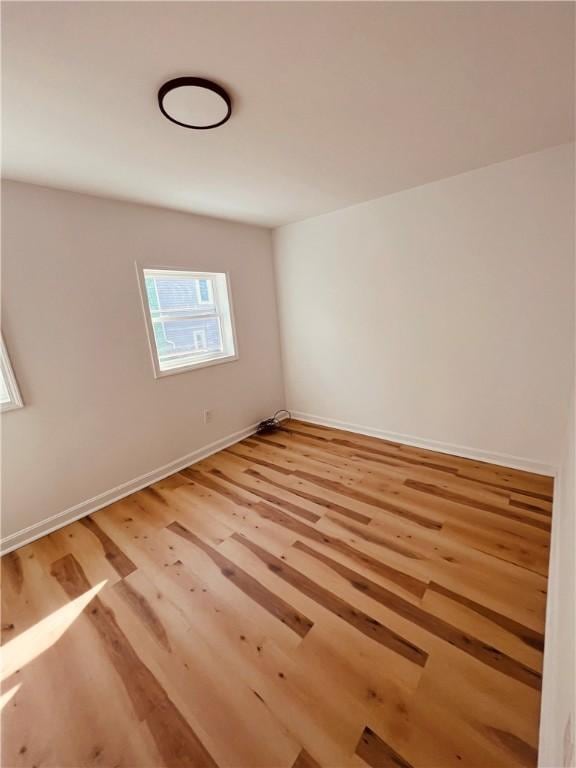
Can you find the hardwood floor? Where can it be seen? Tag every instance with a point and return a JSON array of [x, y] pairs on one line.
[[312, 598]]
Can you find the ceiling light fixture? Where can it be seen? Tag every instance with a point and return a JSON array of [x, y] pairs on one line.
[[194, 102]]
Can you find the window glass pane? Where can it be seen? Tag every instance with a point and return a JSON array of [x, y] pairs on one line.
[[204, 291], [9, 394], [183, 337], [178, 296], [4, 393]]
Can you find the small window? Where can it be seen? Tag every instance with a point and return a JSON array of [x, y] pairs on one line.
[[189, 319], [9, 393]]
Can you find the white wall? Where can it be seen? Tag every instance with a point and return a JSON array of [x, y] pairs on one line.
[[558, 722], [442, 313], [95, 417]]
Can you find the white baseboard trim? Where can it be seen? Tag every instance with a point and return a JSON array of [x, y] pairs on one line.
[[59, 520], [477, 454]]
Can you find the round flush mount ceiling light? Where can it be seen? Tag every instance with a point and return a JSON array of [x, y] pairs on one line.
[[194, 102]]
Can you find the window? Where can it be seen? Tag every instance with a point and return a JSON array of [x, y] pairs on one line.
[[9, 394], [189, 319]]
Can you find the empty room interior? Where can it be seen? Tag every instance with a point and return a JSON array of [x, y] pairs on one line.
[[287, 384]]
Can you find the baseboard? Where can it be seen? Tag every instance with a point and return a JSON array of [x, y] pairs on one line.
[[53, 523], [491, 457]]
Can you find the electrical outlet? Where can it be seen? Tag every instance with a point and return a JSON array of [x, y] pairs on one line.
[[207, 417]]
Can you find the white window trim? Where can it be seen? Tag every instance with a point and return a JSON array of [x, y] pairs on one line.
[[10, 380], [202, 362]]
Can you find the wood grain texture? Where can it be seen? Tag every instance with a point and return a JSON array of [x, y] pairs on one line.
[[310, 599], [250, 586], [368, 625], [119, 561], [432, 624], [304, 760], [377, 753], [316, 498], [176, 741]]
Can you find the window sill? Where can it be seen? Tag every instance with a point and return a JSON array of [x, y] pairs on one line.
[[194, 366], [10, 406]]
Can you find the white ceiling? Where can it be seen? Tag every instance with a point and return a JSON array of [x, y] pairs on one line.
[[334, 102]]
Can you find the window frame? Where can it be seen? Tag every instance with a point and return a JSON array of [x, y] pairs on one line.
[[208, 359], [7, 373]]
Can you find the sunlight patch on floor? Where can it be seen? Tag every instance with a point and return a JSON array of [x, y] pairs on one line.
[[38, 638]]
